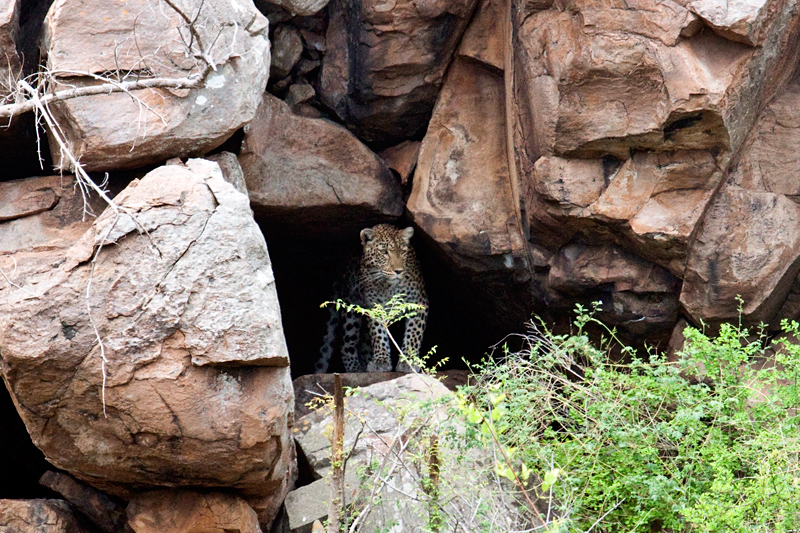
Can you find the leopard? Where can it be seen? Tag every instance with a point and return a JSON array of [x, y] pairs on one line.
[[387, 267]]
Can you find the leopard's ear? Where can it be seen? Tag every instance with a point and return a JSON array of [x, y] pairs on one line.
[[366, 235], [407, 234]]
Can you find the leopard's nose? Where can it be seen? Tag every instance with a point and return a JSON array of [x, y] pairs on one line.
[[398, 271]]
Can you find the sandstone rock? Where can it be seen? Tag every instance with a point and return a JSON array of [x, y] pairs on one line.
[[386, 62], [231, 170], [38, 516], [299, 93], [313, 41], [604, 79], [652, 202], [636, 295], [749, 244], [287, 46], [388, 416], [43, 212], [626, 118], [462, 196], [10, 64], [93, 504], [312, 171], [17, 134], [737, 20], [176, 392], [484, 39], [183, 511], [402, 159], [117, 131]]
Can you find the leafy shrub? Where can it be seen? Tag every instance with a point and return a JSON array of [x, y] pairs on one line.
[[707, 444]]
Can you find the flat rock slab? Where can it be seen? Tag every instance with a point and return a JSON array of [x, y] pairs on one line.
[[389, 423]]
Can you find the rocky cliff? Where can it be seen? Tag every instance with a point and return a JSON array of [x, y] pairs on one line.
[[639, 153]]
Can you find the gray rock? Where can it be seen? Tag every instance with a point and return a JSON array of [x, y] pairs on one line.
[[287, 46], [382, 434]]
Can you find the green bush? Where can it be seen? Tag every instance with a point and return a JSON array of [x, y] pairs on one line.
[[707, 444]]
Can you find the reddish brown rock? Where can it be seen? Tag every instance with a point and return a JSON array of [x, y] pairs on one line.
[[314, 175], [636, 295], [117, 131], [287, 46], [43, 212], [191, 338], [105, 513], [10, 64], [386, 62], [183, 511], [484, 39], [749, 244], [604, 79], [38, 516], [402, 159], [463, 197], [651, 203]]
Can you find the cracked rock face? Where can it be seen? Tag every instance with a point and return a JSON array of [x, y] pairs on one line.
[[183, 511], [190, 384], [147, 38], [35, 516], [314, 175], [386, 62]]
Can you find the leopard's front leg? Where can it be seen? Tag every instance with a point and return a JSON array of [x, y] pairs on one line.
[[412, 339], [381, 348]]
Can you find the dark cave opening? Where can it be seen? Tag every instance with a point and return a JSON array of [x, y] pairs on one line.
[[23, 463], [306, 269]]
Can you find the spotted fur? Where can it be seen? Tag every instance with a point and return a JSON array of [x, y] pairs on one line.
[[387, 267]]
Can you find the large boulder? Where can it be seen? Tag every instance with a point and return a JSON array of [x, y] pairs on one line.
[[626, 119], [651, 203], [598, 80], [387, 439], [151, 352], [151, 39], [314, 175], [386, 62], [749, 244], [462, 196]]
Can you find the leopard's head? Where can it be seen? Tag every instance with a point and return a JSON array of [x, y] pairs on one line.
[[385, 250]]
